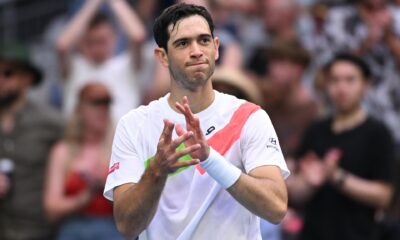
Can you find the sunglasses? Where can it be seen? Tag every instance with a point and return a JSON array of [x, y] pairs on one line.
[[7, 72], [104, 101]]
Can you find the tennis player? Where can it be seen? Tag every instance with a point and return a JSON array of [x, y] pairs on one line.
[[196, 163]]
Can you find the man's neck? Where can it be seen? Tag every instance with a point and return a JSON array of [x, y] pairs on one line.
[[199, 99], [346, 121], [7, 114]]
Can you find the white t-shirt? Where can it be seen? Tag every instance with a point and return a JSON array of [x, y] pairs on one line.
[[193, 205], [116, 73]]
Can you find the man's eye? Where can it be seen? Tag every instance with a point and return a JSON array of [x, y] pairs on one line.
[[181, 44], [205, 40]]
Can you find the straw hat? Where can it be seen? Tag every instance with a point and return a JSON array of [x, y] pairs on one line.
[[235, 78]]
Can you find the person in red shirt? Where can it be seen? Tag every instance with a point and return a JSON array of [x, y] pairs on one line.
[[78, 168]]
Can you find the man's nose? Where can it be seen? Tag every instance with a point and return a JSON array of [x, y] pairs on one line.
[[195, 50]]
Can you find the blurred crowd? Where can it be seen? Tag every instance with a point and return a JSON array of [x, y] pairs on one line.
[[326, 72]]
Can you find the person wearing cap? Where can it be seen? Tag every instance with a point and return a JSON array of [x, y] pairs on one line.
[[27, 132]]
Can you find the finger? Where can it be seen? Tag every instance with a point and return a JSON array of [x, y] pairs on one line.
[[179, 130], [180, 107], [167, 131], [185, 151], [181, 139], [185, 113], [186, 163]]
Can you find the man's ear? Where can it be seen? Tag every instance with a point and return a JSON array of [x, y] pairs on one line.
[[216, 44], [161, 55]]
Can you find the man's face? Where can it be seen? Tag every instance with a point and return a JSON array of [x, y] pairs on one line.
[[98, 43], [12, 82], [192, 52], [346, 86], [374, 4], [278, 14], [284, 73]]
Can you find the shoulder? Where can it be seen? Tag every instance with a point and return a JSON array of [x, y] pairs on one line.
[[143, 113], [319, 125], [141, 118], [43, 114], [229, 102], [59, 153], [377, 127]]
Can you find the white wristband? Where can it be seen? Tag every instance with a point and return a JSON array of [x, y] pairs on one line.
[[224, 172]]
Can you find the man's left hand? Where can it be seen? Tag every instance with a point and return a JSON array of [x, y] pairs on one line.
[[192, 124]]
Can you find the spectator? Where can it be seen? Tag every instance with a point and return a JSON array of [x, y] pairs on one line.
[[27, 132], [288, 103], [234, 82], [366, 29], [78, 169], [94, 36], [345, 171]]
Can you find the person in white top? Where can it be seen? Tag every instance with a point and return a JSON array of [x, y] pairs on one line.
[[195, 164], [93, 34]]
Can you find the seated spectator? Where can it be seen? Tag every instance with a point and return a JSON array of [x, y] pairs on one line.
[[93, 34], [344, 172], [78, 168], [27, 132]]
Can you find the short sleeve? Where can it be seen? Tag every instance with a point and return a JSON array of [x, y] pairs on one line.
[[382, 154], [260, 145], [126, 164]]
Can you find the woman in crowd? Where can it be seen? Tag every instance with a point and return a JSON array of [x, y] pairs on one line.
[[78, 168]]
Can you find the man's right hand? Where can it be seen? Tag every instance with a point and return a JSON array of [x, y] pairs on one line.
[[167, 157]]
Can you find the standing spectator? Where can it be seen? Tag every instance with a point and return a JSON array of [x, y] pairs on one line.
[[78, 169], [94, 36], [345, 171], [288, 103], [27, 132]]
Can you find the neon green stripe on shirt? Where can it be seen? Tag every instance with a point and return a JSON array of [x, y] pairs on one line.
[[184, 158]]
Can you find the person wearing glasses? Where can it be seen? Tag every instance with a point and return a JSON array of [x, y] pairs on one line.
[[78, 168]]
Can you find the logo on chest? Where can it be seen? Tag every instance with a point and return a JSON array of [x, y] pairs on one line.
[[210, 130]]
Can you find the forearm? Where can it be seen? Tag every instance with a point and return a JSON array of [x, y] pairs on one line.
[[138, 204], [57, 208], [374, 193], [263, 192], [129, 20], [263, 197], [78, 24], [299, 190]]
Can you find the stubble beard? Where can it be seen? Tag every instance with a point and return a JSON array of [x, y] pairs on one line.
[[8, 100], [190, 83]]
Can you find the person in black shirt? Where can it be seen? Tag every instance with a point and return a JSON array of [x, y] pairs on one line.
[[344, 172]]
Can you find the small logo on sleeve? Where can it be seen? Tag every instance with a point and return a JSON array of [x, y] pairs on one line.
[[272, 143], [113, 168]]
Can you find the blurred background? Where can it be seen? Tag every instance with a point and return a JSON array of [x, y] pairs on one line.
[[70, 69]]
